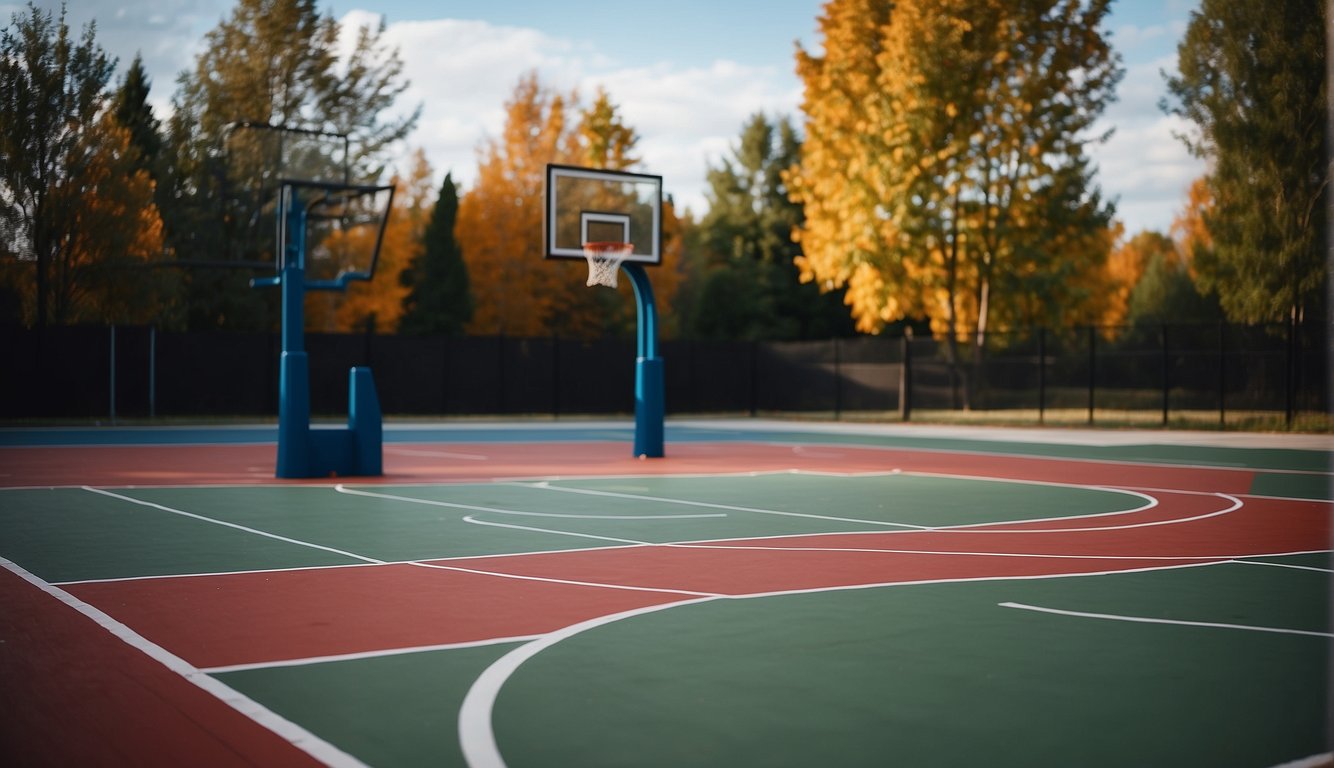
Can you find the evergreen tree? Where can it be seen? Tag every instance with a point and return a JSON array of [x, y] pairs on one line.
[[751, 287], [1167, 294], [1253, 83], [439, 300], [135, 114]]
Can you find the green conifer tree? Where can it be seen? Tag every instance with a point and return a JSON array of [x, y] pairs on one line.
[[439, 300]]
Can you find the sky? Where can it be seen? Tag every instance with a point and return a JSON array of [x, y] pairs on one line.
[[685, 75]]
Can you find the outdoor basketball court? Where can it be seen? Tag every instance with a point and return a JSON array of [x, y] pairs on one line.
[[769, 593]]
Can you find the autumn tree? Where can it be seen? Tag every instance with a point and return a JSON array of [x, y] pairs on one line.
[[1125, 266], [438, 299], [944, 173], [275, 62], [1253, 84], [77, 219], [500, 218], [1190, 229]]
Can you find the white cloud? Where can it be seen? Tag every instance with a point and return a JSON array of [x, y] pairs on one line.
[[168, 34], [688, 113], [1144, 164], [463, 72]]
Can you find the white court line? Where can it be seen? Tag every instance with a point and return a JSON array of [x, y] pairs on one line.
[[436, 454], [476, 508], [968, 528], [955, 553], [710, 505], [1056, 457], [238, 527], [367, 654], [285, 729], [1292, 566], [570, 582], [595, 537], [1314, 761], [1173, 622], [476, 737], [1236, 504], [416, 562]]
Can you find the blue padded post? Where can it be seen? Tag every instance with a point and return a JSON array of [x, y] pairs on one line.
[[302, 451], [365, 423], [294, 452], [650, 408]]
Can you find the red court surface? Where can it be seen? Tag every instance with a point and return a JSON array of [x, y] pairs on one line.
[[457, 462], [146, 713]]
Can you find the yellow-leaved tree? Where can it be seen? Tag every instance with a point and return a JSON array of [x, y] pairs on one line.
[[944, 172]]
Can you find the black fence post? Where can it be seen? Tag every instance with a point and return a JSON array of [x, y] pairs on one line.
[[1289, 374], [111, 380], [1167, 384], [905, 378], [1222, 373], [754, 364], [555, 375], [1093, 332], [1042, 375], [152, 372], [838, 382], [500, 372]]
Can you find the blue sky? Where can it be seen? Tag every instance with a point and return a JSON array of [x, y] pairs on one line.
[[685, 74]]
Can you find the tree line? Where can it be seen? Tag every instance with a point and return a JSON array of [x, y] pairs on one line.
[[938, 178]]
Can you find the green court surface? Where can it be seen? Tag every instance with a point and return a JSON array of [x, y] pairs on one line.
[[932, 675], [981, 609]]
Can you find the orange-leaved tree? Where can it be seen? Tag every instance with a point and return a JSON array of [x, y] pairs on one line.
[[517, 291], [500, 218], [112, 235]]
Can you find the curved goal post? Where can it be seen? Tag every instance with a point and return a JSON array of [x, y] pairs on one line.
[[613, 221]]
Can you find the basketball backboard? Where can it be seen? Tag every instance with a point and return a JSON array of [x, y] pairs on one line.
[[591, 205], [343, 228], [257, 158]]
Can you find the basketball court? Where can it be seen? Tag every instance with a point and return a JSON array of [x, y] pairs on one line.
[[643, 592], [767, 593]]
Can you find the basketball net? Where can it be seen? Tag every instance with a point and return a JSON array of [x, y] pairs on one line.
[[604, 261]]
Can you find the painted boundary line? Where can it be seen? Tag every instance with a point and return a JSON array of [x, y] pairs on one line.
[[372, 561], [1173, 622], [289, 731], [362, 655], [477, 739], [476, 733]]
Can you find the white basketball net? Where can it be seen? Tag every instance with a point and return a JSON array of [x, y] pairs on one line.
[[604, 261]]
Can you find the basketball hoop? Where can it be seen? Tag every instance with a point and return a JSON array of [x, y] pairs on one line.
[[604, 261]]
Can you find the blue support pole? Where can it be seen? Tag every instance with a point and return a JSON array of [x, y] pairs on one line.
[[303, 452], [364, 422], [650, 410], [294, 452]]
